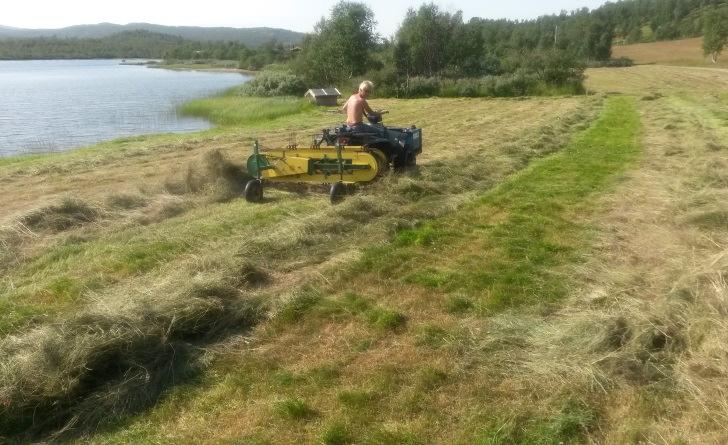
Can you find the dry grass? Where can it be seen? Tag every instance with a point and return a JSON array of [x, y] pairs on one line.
[[268, 251], [685, 52], [649, 80], [111, 361], [665, 271]]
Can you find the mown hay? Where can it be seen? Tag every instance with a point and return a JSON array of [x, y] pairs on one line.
[[126, 201], [214, 174], [73, 376], [68, 214]]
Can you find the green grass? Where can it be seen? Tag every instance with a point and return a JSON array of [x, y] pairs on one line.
[[566, 427], [336, 434], [295, 409], [231, 109], [508, 248]]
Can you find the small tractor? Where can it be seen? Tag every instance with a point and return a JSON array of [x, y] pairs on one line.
[[338, 156]]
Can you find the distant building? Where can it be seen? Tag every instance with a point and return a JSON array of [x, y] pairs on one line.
[[323, 96]]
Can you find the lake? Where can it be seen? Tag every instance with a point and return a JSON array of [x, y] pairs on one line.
[[54, 105]]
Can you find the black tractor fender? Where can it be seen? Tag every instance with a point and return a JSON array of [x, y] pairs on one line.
[[394, 152]]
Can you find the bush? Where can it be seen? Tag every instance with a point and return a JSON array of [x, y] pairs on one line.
[[521, 83], [622, 62], [274, 83]]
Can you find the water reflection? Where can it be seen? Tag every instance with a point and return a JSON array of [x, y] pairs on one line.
[[48, 106]]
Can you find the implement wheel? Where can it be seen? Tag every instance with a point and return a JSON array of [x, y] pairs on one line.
[[254, 191], [337, 193]]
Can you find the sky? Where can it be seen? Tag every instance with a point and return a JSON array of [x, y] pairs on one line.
[[289, 14]]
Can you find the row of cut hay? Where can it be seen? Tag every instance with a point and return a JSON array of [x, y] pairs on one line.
[[213, 175], [76, 374]]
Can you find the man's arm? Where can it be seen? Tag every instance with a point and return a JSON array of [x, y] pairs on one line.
[[367, 109]]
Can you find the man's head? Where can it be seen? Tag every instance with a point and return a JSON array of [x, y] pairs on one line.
[[365, 88]]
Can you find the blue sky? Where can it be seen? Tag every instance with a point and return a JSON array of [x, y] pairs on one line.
[[295, 15]]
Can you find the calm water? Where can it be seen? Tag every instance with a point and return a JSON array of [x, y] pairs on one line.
[[54, 105]]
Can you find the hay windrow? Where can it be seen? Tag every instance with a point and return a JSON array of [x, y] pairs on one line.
[[78, 373], [214, 174], [69, 213]]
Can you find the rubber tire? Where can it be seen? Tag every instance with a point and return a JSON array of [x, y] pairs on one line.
[[254, 191], [411, 160], [337, 192], [399, 163]]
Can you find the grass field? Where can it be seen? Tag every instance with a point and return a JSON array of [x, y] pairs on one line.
[[552, 272], [685, 52]]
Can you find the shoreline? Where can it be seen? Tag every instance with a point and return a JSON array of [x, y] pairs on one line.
[[209, 69]]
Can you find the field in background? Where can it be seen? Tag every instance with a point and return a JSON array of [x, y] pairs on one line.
[[554, 271], [686, 52]]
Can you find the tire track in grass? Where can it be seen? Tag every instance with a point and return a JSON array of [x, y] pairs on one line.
[[510, 247]]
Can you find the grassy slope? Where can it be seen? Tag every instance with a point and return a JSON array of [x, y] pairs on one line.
[[231, 109], [685, 52]]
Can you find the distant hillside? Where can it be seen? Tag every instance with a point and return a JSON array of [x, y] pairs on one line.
[[685, 52], [252, 37], [637, 21]]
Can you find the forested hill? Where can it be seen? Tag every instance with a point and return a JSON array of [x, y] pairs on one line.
[[251, 37], [650, 20], [136, 44]]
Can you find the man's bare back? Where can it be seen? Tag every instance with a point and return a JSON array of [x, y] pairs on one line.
[[357, 105]]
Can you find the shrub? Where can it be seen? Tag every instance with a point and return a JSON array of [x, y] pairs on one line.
[[549, 81], [621, 62], [274, 83], [420, 87]]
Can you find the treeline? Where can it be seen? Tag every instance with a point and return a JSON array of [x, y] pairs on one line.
[[141, 44], [129, 44], [435, 52], [248, 58]]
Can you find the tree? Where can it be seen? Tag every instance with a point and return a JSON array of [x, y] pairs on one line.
[[341, 46], [715, 31], [426, 35]]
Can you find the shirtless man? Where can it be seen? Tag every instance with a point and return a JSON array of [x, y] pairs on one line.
[[356, 106]]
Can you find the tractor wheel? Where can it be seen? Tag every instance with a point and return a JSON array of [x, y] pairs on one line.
[[399, 162], [337, 193], [382, 162], [254, 191], [411, 160]]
